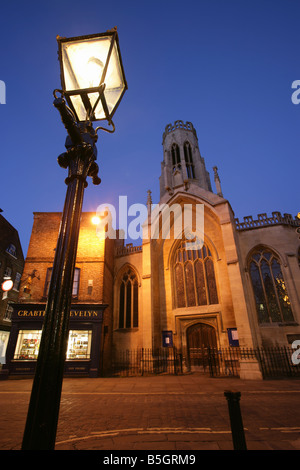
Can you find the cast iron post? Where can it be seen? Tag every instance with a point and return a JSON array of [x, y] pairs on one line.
[[236, 422], [43, 411]]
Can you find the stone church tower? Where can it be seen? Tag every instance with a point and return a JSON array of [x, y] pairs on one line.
[[182, 164]]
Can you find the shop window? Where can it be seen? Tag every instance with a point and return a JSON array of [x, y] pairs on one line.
[[75, 288], [4, 336], [128, 301], [28, 344], [189, 160], [79, 344], [194, 275], [269, 288]]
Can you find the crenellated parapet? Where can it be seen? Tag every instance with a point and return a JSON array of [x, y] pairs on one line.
[[188, 126], [264, 221]]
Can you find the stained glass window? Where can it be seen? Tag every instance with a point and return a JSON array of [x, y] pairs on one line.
[[194, 276], [270, 292], [128, 301]]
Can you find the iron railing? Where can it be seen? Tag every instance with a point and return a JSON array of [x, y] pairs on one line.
[[147, 361], [276, 362]]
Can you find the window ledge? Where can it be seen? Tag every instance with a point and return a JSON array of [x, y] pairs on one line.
[[276, 324], [125, 330]]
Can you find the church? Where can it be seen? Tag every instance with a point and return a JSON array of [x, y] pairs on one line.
[[223, 283]]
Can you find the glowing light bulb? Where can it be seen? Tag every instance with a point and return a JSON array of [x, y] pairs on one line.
[[94, 71]]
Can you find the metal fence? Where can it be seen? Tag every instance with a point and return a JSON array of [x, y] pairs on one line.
[[147, 361], [278, 362], [274, 362]]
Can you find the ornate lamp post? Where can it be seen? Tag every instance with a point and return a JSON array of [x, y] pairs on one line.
[[93, 84]]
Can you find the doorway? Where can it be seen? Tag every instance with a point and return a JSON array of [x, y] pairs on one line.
[[200, 338]]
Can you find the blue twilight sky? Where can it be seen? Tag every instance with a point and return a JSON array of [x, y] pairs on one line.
[[225, 65]]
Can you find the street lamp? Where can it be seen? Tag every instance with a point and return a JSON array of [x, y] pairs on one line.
[[7, 284], [93, 84]]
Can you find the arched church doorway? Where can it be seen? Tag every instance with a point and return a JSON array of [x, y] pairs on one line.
[[200, 338]]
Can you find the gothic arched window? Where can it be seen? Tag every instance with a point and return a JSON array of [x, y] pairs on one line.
[[128, 303], [270, 292], [195, 282], [175, 157], [189, 160]]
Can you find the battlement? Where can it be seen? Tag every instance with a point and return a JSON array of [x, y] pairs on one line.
[[264, 221], [188, 126]]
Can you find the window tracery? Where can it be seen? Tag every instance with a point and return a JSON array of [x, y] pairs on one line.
[[175, 152], [269, 288], [128, 300], [195, 282], [189, 160]]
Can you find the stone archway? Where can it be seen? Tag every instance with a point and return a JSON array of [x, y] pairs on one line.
[[200, 337]]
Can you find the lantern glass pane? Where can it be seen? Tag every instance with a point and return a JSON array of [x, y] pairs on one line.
[[114, 80], [84, 62], [79, 107], [99, 112]]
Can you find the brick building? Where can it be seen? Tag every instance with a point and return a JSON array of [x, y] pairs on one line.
[[231, 283], [11, 267]]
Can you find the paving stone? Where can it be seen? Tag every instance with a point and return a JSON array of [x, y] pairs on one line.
[[126, 406]]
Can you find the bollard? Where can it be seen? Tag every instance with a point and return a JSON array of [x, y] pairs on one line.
[[236, 422]]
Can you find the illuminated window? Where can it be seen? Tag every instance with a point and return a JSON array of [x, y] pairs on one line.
[[75, 288], [79, 344], [28, 344], [270, 292], [175, 157], [189, 160], [195, 282], [128, 303]]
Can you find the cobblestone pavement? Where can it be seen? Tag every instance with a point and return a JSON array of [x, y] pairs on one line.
[[170, 413]]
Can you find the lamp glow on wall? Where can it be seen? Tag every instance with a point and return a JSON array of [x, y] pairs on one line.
[[92, 75]]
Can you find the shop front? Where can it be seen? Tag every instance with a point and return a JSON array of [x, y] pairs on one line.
[[84, 350]]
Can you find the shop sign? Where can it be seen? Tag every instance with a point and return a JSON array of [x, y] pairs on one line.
[[87, 314]]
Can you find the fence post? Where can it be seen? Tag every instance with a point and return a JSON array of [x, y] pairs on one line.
[[236, 422], [175, 359], [142, 361]]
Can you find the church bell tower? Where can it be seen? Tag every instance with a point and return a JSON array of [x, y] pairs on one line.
[[183, 164]]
